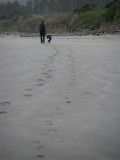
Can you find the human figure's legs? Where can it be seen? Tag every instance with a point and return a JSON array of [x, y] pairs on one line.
[[42, 38]]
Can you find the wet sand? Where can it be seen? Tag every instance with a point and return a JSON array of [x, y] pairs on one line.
[[60, 101]]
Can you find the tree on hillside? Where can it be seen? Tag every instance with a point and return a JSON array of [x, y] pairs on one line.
[[10, 9], [116, 1], [112, 10], [51, 6], [84, 8], [2, 11], [29, 6]]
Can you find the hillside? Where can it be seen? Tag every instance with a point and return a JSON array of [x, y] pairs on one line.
[[85, 18], [60, 23]]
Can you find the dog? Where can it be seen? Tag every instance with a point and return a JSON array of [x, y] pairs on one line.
[[49, 37]]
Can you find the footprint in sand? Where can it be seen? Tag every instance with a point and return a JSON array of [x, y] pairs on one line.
[[40, 84], [49, 123], [68, 102], [50, 70], [57, 108], [27, 95], [39, 156], [38, 147], [3, 112], [51, 57], [39, 80], [28, 90], [45, 73], [48, 76], [5, 103], [52, 130], [46, 61], [46, 65]]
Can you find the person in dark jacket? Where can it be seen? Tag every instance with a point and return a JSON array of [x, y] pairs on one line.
[[42, 31]]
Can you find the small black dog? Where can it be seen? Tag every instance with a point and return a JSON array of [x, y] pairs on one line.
[[49, 37]]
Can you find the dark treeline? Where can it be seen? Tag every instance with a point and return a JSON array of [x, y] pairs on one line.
[[58, 6], [46, 6], [10, 9]]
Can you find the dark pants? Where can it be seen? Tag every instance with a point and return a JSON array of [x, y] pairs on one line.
[[42, 38]]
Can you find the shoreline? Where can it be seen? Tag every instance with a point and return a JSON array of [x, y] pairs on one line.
[[82, 33]]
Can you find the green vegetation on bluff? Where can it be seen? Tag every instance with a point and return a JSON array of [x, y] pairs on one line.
[[89, 19], [112, 11]]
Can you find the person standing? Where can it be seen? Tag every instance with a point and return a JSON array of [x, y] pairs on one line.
[[42, 31]]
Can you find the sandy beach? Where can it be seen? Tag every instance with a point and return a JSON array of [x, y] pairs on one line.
[[60, 101]]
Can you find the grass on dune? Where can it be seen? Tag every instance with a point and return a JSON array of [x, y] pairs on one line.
[[90, 19]]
